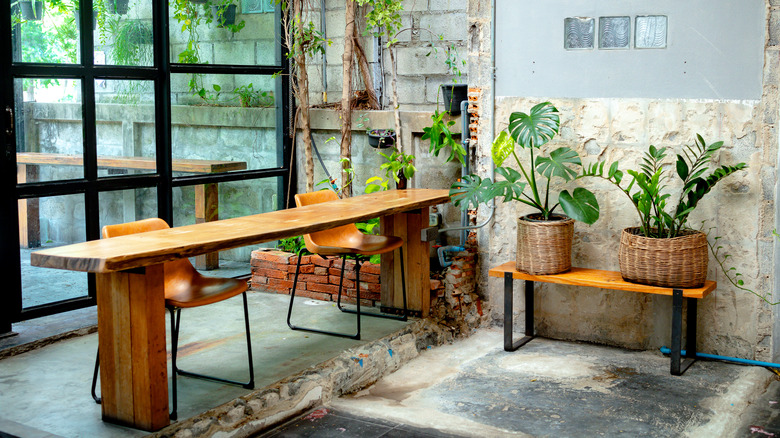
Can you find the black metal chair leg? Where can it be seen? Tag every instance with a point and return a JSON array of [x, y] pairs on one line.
[[403, 317], [248, 385], [97, 399], [174, 350], [313, 330]]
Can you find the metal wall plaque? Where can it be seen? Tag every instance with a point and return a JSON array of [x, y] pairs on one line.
[[578, 33], [614, 32], [650, 32]]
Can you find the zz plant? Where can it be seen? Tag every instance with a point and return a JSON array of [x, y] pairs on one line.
[[531, 184], [648, 188]]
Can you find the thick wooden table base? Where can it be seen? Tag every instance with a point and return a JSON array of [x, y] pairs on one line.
[[604, 280], [131, 320], [417, 264]]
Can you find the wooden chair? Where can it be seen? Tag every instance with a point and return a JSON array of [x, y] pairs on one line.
[[344, 241], [185, 287]]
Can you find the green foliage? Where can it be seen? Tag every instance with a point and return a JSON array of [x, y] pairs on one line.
[[309, 41], [294, 245], [441, 137], [249, 97], [130, 40], [397, 162], [530, 131], [384, 17], [650, 194]]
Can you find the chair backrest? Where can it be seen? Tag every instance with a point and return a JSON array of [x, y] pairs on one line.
[[176, 270], [334, 237]]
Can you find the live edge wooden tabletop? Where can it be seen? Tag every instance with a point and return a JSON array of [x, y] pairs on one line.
[[127, 252], [601, 279]]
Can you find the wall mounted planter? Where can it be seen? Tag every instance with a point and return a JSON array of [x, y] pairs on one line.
[[454, 94], [117, 6], [381, 138], [31, 10], [224, 15]]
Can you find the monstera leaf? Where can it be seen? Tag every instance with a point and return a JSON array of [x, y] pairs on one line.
[[581, 205], [536, 128], [470, 191], [503, 146], [555, 164]]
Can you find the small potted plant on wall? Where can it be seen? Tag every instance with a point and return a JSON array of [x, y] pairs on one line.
[[224, 13], [381, 138], [31, 10], [117, 6], [663, 250], [454, 93], [544, 238]]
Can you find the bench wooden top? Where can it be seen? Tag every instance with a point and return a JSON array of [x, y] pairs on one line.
[[600, 279], [137, 250], [143, 163]]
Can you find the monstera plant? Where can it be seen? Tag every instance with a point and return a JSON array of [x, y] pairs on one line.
[[544, 237]]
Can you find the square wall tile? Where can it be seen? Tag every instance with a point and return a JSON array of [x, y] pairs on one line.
[[614, 32], [650, 32], [578, 33]]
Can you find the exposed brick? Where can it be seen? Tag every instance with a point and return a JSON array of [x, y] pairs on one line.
[[259, 280], [272, 256], [363, 302], [305, 260], [305, 269], [319, 261], [334, 279], [371, 268], [263, 264], [326, 288], [270, 273], [374, 288], [313, 295], [435, 284], [320, 270], [277, 284], [311, 278]]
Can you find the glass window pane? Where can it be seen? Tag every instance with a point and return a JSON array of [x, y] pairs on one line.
[[46, 223], [45, 32], [49, 132], [215, 130], [223, 32], [124, 33], [197, 204], [122, 206], [125, 127]]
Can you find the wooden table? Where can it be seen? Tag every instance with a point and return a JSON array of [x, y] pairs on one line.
[[131, 319], [206, 195], [604, 280]]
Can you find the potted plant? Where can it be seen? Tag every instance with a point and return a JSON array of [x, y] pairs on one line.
[[663, 250], [544, 238], [454, 93], [249, 97], [399, 167], [224, 13], [381, 138], [441, 137], [31, 10], [117, 6]]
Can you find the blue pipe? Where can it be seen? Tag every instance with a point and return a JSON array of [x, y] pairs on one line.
[[666, 350], [443, 260]]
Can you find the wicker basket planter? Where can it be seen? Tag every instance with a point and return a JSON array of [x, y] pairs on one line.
[[544, 247], [677, 262]]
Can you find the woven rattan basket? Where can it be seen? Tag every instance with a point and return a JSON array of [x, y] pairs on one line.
[[544, 247], [677, 262]]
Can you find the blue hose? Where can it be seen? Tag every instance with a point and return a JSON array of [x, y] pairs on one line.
[[666, 350]]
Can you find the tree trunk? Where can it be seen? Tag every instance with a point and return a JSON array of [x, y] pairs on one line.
[[303, 101], [346, 96], [360, 56], [399, 144]]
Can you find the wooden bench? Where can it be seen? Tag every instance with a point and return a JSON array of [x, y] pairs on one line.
[[206, 195], [605, 280]]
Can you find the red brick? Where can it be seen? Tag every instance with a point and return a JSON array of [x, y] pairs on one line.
[[279, 284], [319, 270], [311, 278], [305, 260], [257, 263], [270, 273], [371, 268], [313, 295], [334, 279], [363, 302], [259, 280], [435, 284], [327, 288], [272, 256], [305, 269], [319, 261], [374, 288]]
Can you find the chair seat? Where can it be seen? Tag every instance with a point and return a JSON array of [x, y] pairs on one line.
[[364, 244], [201, 290]]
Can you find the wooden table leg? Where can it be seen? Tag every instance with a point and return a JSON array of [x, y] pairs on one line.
[[207, 210], [29, 220], [133, 367], [417, 263]]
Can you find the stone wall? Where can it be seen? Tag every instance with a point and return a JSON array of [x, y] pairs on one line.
[[731, 322]]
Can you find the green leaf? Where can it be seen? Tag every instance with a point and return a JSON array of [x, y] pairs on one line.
[[556, 164], [502, 148], [470, 191], [537, 128], [581, 205], [682, 168]]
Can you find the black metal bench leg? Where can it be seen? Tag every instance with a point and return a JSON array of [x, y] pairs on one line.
[[678, 365], [509, 344]]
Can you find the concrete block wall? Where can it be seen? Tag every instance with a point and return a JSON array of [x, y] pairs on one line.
[[742, 208]]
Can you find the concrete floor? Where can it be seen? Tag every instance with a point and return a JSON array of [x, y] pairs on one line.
[[47, 390]]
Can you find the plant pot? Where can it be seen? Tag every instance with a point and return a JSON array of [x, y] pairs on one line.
[[31, 10], [117, 6], [381, 138], [401, 184], [678, 262], [454, 94], [224, 15], [544, 246]]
